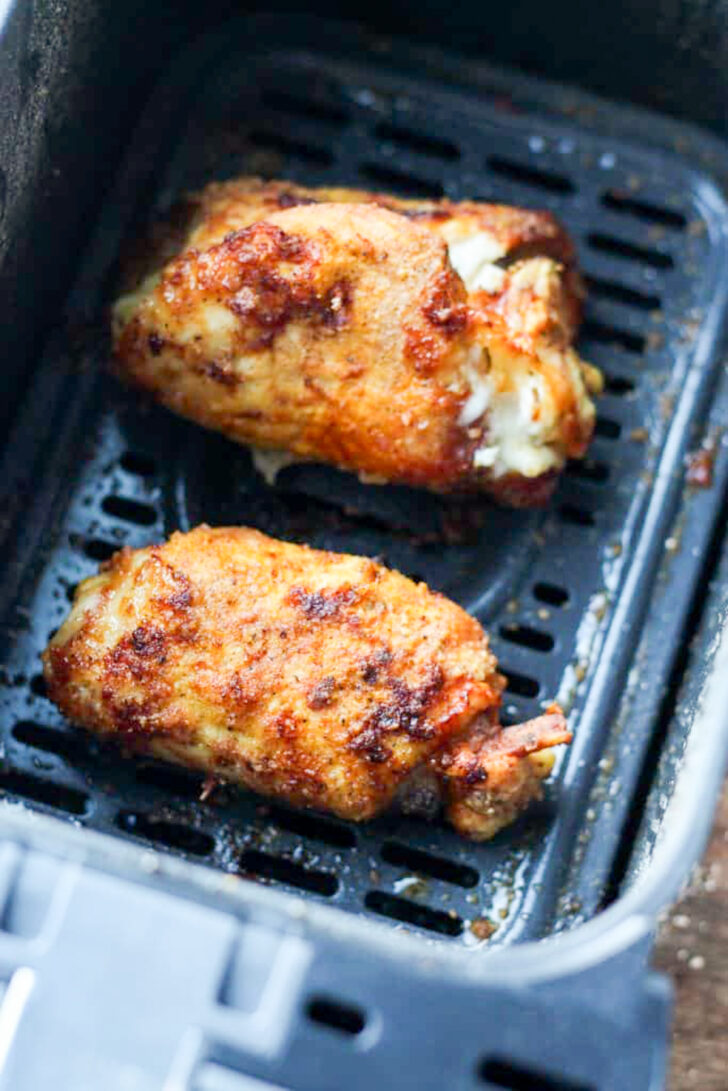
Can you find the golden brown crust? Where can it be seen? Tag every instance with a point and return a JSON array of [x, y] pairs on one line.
[[339, 332], [228, 206], [318, 678], [339, 338], [321, 679]]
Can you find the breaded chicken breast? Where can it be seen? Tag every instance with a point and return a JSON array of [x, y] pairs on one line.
[[323, 680], [424, 343]]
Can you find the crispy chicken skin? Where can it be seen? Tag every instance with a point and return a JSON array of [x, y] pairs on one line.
[[324, 680], [428, 344]]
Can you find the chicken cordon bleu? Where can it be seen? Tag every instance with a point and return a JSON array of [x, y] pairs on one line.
[[420, 343], [323, 680]]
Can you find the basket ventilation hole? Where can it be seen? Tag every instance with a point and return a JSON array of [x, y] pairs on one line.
[[551, 594], [176, 782], [618, 384], [604, 334], [514, 1077], [401, 181], [423, 862], [43, 791], [527, 637], [312, 826], [531, 176], [46, 738], [520, 684], [309, 153], [173, 835], [278, 869], [607, 428], [97, 549], [578, 517], [588, 469], [344, 1018], [38, 685], [305, 107], [130, 511], [138, 464], [616, 201], [620, 293], [418, 142], [400, 909], [618, 248]]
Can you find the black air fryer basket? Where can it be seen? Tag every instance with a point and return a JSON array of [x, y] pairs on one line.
[[149, 940]]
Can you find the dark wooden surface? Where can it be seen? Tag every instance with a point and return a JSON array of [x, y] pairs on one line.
[[693, 949]]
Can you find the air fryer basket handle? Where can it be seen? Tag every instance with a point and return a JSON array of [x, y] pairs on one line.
[[121, 981]]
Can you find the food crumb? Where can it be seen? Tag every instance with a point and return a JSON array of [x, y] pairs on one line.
[[700, 466], [209, 785], [482, 928], [639, 435], [681, 920], [697, 962]]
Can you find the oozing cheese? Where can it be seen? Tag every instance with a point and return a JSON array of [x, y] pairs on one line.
[[515, 434], [270, 462], [514, 425], [474, 259]]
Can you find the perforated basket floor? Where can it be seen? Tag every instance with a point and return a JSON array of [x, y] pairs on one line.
[[103, 469]]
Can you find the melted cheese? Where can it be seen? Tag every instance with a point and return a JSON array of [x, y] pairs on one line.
[[270, 462], [515, 441], [474, 259]]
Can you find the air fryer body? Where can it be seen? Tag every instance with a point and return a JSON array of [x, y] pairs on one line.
[[152, 940]]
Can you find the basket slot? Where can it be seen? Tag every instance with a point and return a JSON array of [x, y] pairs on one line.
[[436, 867], [130, 511], [527, 174], [616, 201], [175, 835], [514, 1077], [408, 912], [45, 791], [263, 865], [418, 142], [629, 251], [336, 1015]]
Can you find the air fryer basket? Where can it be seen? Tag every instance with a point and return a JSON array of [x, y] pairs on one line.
[[590, 600]]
